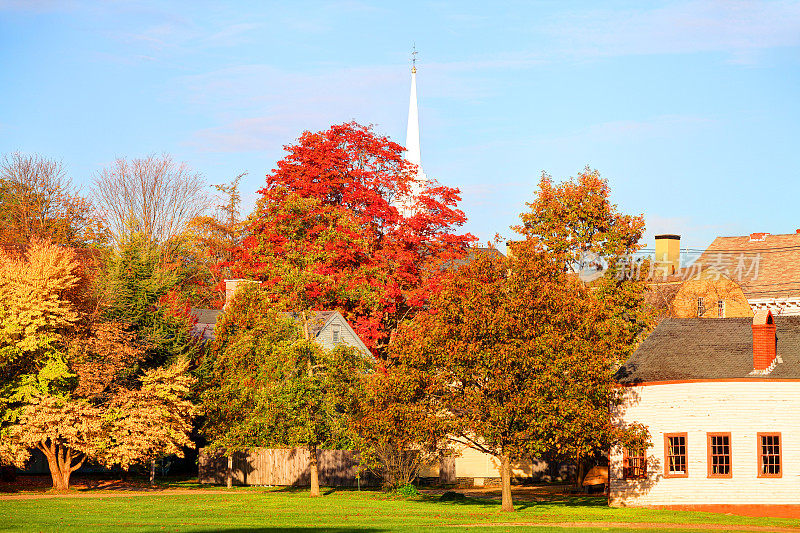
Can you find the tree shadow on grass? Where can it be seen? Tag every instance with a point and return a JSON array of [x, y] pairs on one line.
[[325, 491], [465, 501], [577, 501], [320, 529], [519, 504]]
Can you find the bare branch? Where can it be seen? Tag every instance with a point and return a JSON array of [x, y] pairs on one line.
[[154, 196], [38, 199]]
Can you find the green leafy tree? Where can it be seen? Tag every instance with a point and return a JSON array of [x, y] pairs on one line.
[[141, 286], [271, 385]]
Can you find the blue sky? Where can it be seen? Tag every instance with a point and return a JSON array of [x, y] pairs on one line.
[[690, 109]]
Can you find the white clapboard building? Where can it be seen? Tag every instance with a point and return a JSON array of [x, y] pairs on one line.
[[721, 399]]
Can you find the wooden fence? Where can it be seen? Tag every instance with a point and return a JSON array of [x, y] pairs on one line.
[[283, 466]]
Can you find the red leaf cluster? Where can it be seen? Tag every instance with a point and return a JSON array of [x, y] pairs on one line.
[[327, 233]]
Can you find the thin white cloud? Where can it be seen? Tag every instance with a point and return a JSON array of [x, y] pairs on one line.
[[232, 35], [664, 125], [737, 27], [254, 105], [180, 37], [255, 134], [36, 6]]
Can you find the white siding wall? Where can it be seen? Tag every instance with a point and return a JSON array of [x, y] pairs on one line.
[[325, 337], [742, 408], [471, 463]]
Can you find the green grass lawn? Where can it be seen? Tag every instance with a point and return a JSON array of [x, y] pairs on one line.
[[268, 510]]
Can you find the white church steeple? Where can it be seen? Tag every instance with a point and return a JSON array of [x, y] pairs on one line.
[[412, 153], [412, 133]]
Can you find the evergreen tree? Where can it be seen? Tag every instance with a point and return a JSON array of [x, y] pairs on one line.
[[141, 287]]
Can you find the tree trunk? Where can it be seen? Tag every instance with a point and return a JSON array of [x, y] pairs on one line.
[[66, 474], [312, 450], [55, 472], [580, 474], [152, 472], [507, 505], [229, 472], [59, 460]]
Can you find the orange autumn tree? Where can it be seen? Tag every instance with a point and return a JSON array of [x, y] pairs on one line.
[[395, 425], [211, 240], [327, 234], [576, 222], [576, 219], [39, 201], [68, 384], [507, 346]]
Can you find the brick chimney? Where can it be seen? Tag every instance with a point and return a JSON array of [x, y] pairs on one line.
[[764, 343], [230, 288], [668, 254]]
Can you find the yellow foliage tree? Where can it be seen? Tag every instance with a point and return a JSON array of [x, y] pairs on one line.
[[153, 421], [71, 388], [33, 309]]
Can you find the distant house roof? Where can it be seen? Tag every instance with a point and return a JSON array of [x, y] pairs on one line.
[[317, 322], [474, 252], [777, 258], [205, 316], [709, 348]]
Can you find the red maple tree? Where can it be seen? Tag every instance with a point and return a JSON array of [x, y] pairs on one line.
[[327, 232]]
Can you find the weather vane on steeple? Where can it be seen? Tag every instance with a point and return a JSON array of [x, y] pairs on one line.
[[414, 58]]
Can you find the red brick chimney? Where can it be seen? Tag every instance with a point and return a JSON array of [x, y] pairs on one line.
[[764, 344], [230, 288]]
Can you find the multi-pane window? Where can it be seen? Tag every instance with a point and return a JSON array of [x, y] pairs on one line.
[[719, 455], [721, 308], [675, 455], [769, 455], [634, 463], [336, 333], [700, 307]]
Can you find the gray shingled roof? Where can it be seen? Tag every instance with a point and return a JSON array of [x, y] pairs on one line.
[[709, 348], [316, 319], [475, 252], [206, 316]]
